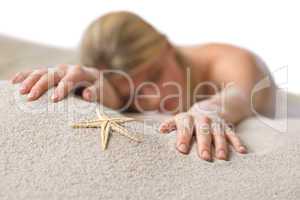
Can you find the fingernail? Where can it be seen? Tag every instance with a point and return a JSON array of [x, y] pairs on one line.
[[54, 97], [221, 154], [161, 129], [205, 155], [242, 149], [183, 148], [32, 95], [88, 95], [22, 89]]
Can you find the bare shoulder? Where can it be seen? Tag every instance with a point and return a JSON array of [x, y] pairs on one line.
[[214, 51], [225, 62], [218, 59]]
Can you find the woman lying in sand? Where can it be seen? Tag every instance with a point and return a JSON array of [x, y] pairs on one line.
[[128, 65]]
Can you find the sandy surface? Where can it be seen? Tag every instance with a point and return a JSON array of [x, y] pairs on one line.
[[42, 157]]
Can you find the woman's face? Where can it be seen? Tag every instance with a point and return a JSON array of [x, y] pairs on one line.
[[158, 86]]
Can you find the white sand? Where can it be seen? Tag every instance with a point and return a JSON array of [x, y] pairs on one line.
[[42, 157]]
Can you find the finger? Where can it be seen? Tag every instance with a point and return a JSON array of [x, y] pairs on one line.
[[94, 92], [184, 124], [67, 84], [64, 87], [204, 137], [167, 126], [221, 146], [91, 93], [235, 140], [102, 91], [46, 81], [31, 79], [20, 76]]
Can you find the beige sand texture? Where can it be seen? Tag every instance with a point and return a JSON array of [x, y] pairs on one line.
[[42, 157]]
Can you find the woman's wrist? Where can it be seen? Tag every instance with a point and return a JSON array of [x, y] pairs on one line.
[[232, 109]]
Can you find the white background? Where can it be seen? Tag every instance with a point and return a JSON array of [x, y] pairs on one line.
[[269, 28]]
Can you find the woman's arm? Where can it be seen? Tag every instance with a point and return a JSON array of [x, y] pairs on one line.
[[231, 104], [66, 78], [240, 75]]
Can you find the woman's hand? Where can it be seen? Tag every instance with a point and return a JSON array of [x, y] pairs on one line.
[[211, 131], [36, 82]]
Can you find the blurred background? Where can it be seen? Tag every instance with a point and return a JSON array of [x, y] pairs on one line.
[[268, 28]]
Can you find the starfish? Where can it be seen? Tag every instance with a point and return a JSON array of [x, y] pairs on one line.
[[106, 124]]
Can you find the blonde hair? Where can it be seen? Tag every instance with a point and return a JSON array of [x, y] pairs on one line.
[[120, 40]]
